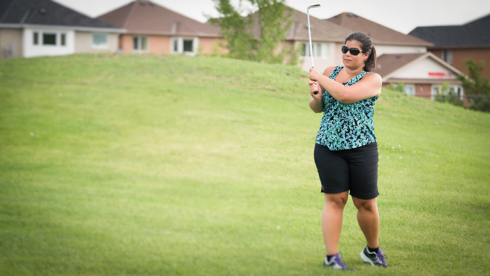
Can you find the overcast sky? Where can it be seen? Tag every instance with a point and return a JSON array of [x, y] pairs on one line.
[[402, 16]]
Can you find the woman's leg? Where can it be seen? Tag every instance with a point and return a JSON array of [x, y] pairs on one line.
[[332, 220], [368, 218]]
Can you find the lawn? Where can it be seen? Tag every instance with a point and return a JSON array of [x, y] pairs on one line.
[[175, 165]]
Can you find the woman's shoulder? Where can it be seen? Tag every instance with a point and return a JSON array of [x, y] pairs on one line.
[[329, 70], [372, 76]]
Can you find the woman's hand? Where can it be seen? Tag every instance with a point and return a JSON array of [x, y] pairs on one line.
[[314, 90], [314, 74]]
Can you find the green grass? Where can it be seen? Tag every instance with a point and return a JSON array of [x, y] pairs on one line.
[[170, 165]]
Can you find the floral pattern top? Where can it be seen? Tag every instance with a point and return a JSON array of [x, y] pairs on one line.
[[346, 126]]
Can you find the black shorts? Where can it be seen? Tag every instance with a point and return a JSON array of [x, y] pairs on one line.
[[355, 170]]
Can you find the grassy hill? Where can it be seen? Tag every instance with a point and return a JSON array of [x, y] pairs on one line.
[[171, 165]]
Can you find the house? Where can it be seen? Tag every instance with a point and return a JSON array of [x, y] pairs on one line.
[[423, 74], [455, 44], [385, 40], [327, 40], [155, 29], [328, 37], [404, 58], [30, 28]]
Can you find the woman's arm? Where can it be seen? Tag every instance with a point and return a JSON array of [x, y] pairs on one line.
[[368, 87], [316, 101]]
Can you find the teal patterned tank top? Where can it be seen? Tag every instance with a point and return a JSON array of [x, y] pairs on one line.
[[346, 126]]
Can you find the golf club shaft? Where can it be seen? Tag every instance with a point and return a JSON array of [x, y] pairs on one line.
[[309, 36]]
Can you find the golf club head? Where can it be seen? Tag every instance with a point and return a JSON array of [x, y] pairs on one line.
[[314, 6]]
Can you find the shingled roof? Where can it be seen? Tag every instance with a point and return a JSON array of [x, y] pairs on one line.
[[321, 31], [474, 34], [378, 33], [388, 64], [18, 13], [146, 17]]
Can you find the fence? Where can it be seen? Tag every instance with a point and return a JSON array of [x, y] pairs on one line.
[[444, 97]]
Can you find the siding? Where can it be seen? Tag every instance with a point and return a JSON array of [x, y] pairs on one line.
[[211, 45], [11, 36], [460, 55], [83, 43]]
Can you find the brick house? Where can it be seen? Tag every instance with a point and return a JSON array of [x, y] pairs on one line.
[[404, 58], [422, 74], [30, 28], [327, 40], [155, 29], [385, 40], [455, 44]]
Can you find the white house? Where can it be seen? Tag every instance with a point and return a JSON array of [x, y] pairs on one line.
[[422, 74], [30, 28]]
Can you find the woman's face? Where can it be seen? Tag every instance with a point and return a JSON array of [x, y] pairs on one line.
[[351, 61]]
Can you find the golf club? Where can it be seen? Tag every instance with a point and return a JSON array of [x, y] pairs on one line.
[[309, 34]]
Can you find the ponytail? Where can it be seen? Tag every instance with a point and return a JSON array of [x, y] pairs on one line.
[[370, 64]]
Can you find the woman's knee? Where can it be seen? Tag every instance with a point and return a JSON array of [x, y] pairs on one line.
[[336, 200], [365, 204]]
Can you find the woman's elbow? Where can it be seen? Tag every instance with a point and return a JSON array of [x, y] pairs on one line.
[[344, 98]]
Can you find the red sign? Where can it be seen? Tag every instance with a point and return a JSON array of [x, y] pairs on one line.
[[441, 75]]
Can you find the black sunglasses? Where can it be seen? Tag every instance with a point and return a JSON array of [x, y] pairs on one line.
[[353, 51]]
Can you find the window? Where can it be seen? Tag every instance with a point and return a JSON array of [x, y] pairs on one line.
[[320, 50], [35, 38], [140, 43], [100, 40], [49, 38], [453, 90], [63, 39], [410, 89], [188, 46], [447, 56], [181, 45], [176, 45]]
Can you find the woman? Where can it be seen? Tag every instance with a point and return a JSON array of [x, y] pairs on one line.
[[346, 153]]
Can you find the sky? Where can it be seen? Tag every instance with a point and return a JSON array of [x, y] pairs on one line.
[[402, 16]]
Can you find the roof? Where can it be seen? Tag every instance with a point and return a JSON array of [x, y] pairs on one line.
[[321, 31], [19, 13], [378, 33], [146, 17], [388, 64], [474, 34]]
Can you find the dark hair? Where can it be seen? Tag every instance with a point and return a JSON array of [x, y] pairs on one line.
[[366, 46]]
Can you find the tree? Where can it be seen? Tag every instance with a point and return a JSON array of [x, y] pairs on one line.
[[236, 30], [274, 20], [400, 87], [446, 94], [476, 86]]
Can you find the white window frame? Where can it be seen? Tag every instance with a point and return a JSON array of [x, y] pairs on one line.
[[36, 34], [139, 42], [49, 33], [447, 56], [63, 38], [58, 38], [179, 42], [320, 50], [104, 45], [409, 89], [454, 88]]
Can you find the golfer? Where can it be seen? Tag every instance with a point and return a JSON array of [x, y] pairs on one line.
[[346, 152]]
